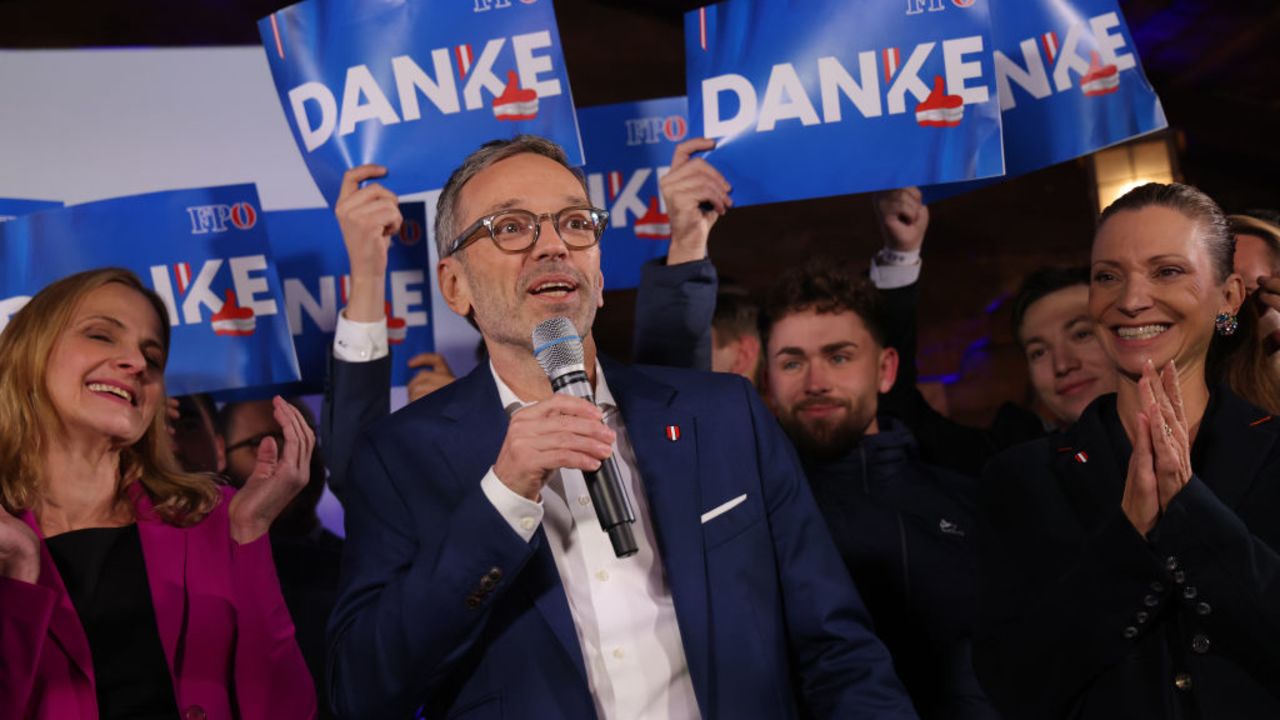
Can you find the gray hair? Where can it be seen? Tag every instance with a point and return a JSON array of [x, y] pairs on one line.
[[494, 151]]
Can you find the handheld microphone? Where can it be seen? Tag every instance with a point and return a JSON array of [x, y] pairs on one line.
[[558, 348]]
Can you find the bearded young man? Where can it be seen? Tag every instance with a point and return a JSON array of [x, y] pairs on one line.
[[477, 580], [904, 528]]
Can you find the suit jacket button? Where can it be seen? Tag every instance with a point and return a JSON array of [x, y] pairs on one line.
[[473, 601], [495, 573], [1189, 592], [1171, 564], [1130, 632], [195, 712], [1182, 681], [1179, 576], [1203, 608], [1157, 586], [1142, 616], [1151, 601], [1200, 644]]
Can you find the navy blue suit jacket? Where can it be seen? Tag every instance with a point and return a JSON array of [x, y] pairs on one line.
[[444, 606]]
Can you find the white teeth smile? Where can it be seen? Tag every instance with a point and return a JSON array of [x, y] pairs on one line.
[[1142, 332], [553, 287], [119, 392]]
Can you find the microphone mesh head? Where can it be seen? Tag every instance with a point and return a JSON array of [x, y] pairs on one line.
[[557, 346]]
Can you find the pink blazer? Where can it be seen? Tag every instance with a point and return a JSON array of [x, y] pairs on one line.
[[226, 632]]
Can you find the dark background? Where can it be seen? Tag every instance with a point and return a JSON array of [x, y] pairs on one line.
[[1215, 65]]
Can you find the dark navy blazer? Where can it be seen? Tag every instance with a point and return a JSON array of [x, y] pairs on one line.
[[444, 607], [1083, 617]]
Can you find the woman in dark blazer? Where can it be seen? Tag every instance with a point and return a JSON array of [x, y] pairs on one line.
[[128, 588], [1129, 564]]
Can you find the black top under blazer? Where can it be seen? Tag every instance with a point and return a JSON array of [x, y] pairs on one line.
[[1081, 617]]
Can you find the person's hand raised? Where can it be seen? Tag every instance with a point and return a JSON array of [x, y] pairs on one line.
[[904, 218], [279, 475], [368, 216], [696, 195]]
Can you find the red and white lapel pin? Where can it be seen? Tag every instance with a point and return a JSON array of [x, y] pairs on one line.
[[672, 432]]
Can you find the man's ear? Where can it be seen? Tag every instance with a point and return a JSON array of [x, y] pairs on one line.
[[747, 358], [600, 296], [454, 286], [888, 369]]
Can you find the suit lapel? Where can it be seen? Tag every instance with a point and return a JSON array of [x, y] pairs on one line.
[[164, 552], [65, 624], [480, 426], [668, 469], [1235, 444], [1091, 470], [541, 582]]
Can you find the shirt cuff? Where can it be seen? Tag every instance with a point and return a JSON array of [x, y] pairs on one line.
[[360, 341], [894, 270], [521, 513]]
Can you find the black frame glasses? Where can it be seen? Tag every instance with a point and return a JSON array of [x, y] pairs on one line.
[[529, 221]]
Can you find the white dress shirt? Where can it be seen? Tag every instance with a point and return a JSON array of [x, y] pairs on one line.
[[622, 609], [890, 269], [360, 341]]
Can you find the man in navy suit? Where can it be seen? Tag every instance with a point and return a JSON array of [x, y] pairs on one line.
[[476, 579]]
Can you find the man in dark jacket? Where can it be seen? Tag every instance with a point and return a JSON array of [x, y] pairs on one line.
[[904, 528]]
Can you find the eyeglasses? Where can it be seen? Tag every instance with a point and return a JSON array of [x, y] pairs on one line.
[[254, 441], [515, 231]]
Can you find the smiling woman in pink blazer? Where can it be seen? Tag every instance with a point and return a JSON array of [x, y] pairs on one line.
[[127, 587]]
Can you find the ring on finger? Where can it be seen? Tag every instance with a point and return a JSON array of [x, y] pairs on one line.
[[1168, 431]]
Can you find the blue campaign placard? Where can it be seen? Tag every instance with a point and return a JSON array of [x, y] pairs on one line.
[[416, 85], [11, 208], [629, 148], [828, 97], [1069, 82], [314, 268], [204, 251]]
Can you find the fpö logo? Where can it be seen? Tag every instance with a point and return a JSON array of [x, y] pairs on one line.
[[207, 219], [916, 7], [411, 233], [487, 5], [653, 130]]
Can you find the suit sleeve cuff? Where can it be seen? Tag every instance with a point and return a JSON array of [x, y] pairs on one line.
[[521, 513], [360, 341], [899, 270]]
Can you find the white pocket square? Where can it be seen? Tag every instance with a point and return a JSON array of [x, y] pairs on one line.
[[719, 510]]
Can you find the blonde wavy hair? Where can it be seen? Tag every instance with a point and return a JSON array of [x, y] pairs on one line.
[[27, 414]]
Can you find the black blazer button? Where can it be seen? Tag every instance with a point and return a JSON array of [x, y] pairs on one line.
[[1200, 644]]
